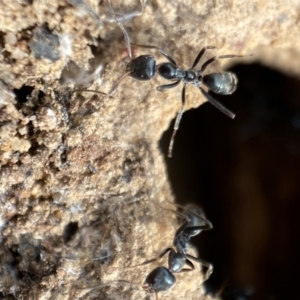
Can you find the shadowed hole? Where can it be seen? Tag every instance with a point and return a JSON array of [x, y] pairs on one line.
[[23, 93], [70, 231], [245, 174]]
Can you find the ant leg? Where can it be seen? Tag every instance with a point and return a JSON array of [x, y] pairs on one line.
[[217, 104], [197, 59], [211, 60], [163, 253], [117, 83], [111, 90], [167, 56], [167, 86], [177, 121], [92, 91], [209, 266], [190, 264]]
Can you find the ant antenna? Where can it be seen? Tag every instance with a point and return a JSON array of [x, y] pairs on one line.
[[125, 17], [127, 41], [179, 214], [126, 36], [109, 283]]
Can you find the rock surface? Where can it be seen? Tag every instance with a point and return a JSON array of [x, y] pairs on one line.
[[81, 173]]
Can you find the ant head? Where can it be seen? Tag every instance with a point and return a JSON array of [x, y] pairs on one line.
[[142, 67], [160, 279]]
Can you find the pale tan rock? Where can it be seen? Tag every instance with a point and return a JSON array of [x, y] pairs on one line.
[[94, 160]]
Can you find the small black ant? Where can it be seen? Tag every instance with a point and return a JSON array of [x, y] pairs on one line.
[[158, 280], [144, 67], [223, 83], [161, 278]]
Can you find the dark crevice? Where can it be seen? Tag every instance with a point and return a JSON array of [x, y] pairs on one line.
[[26, 33], [23, 93], [244, 173], [70, 231], [35, 148], [2, 41]]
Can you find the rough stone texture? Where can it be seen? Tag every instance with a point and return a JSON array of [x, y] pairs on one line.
[[80, 159]]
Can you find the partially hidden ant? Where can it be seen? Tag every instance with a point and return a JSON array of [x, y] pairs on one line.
[[161, 278], [144, 67], [158, 280]]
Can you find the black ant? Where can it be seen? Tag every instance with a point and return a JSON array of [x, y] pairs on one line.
[[144, 67], [161, 278], [223, 83], [158, 280]]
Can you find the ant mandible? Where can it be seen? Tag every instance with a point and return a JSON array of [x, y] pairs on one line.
[[144, 67]]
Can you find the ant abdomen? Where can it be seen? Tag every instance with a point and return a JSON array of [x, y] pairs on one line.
[[142, 67], [224, 83]]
